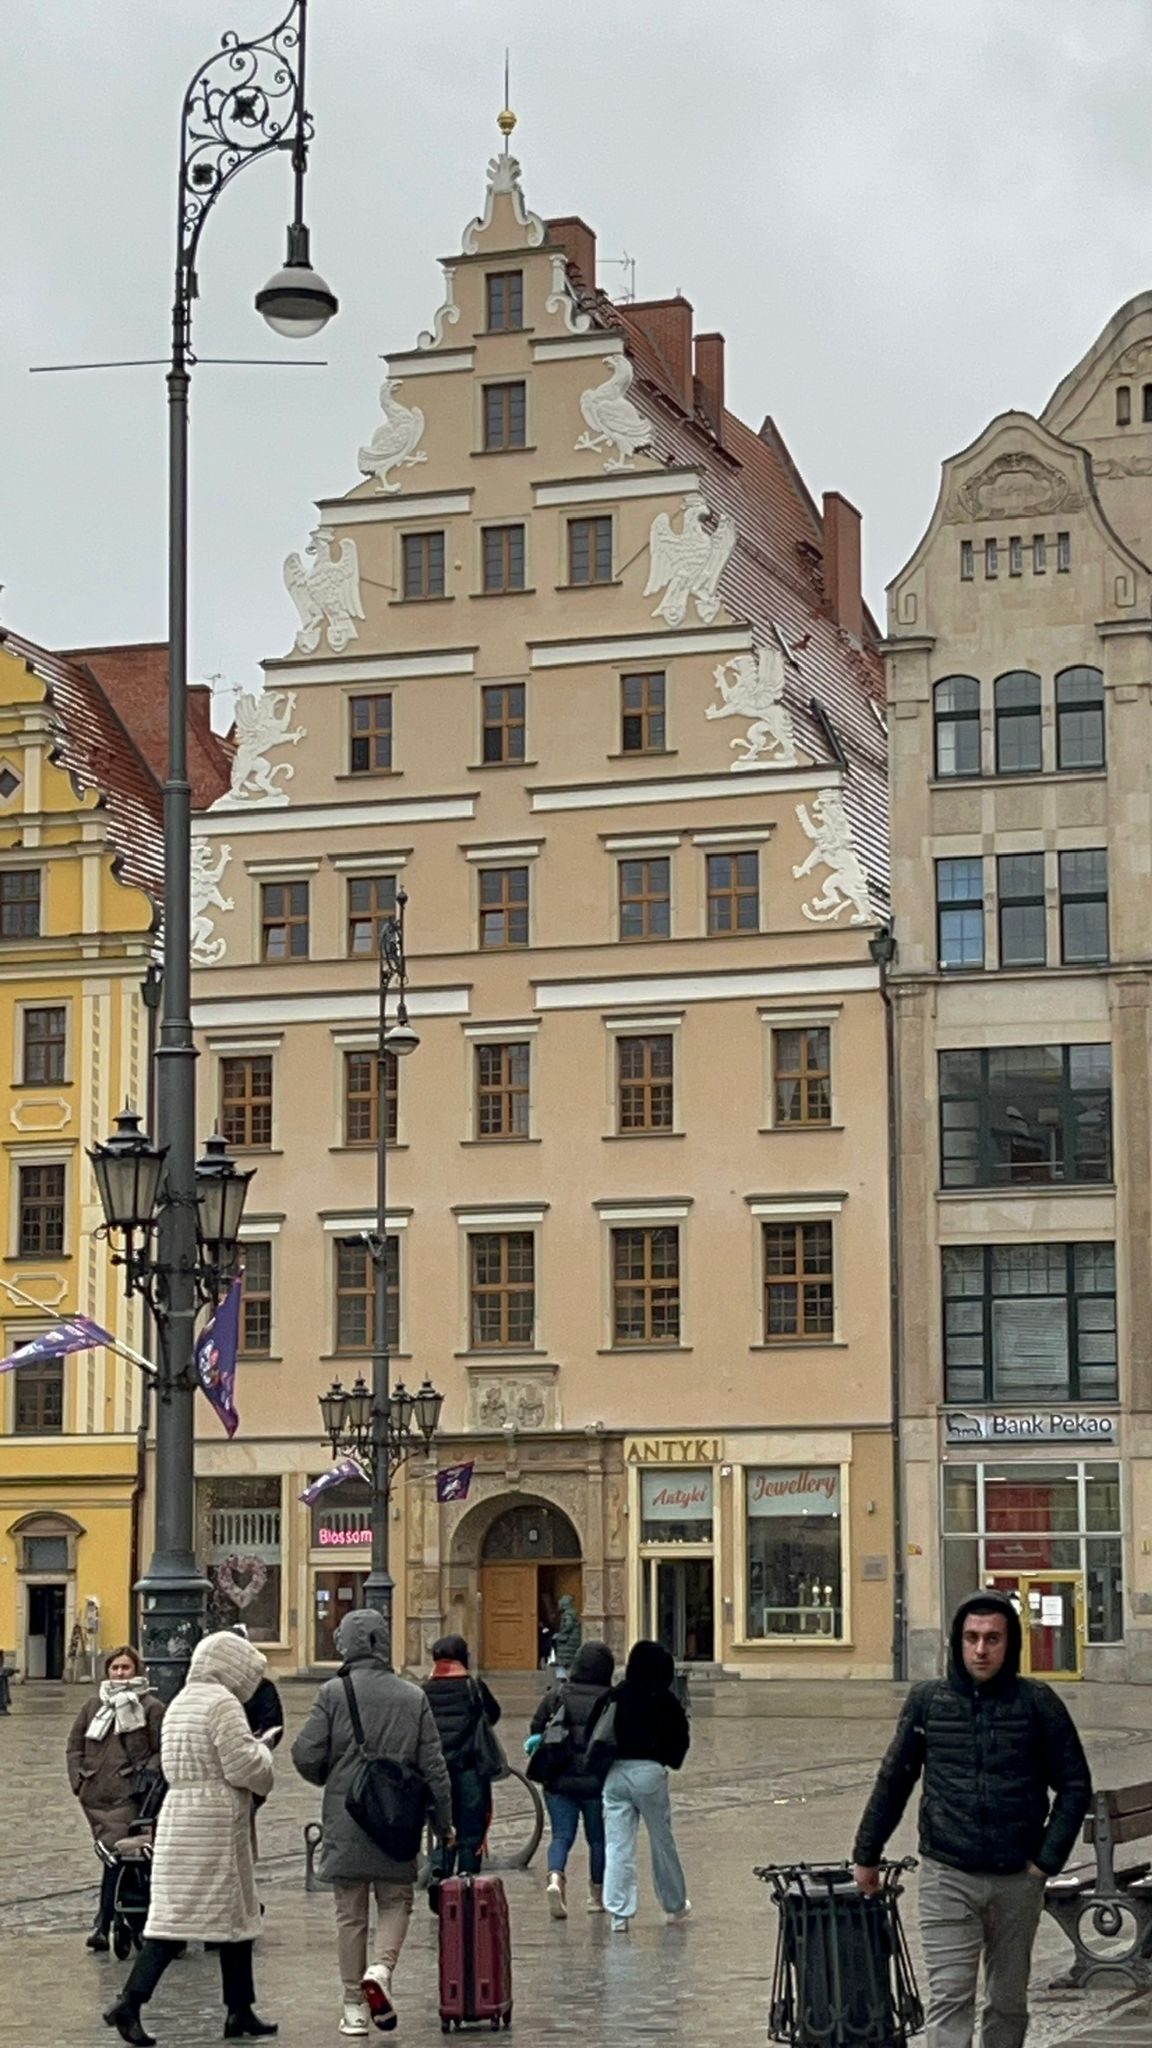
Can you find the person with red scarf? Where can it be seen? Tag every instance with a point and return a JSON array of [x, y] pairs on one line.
[[459, 1704]]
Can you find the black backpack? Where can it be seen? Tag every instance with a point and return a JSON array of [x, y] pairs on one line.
[[388, 1801], [555, 1753]]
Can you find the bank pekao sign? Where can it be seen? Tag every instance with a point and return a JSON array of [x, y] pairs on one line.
[[1034, 1426]]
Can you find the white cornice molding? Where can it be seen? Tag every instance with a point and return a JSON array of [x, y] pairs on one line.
[[417, 363], [647, 483], [640, 647], [285, 673], [549, 348], [431, 810], [738, 985], [595, 796], [371, 511], [277, 1012]]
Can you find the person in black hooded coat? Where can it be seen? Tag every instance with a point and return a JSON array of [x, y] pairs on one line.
[[1006, 1787], [576, 1794], [651, 1737]]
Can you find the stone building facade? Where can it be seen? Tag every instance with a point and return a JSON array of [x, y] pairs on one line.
[[579, 663], [1019, 685]]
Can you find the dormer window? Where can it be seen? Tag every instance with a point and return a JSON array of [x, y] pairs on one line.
[[1123, 405]]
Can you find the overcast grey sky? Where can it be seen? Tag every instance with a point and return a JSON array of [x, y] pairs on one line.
[[905, 215]]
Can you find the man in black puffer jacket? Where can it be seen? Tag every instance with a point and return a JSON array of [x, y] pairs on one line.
[[992, 1747]]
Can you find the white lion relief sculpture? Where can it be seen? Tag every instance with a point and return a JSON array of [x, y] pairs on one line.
[[613, 420], [326, 592], [206, 950], [827, 827], [395, 443], [263, 720], [756, 691], [688, 564]]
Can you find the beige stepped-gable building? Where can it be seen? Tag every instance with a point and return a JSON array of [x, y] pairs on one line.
[[581, 665], [1019, 684]]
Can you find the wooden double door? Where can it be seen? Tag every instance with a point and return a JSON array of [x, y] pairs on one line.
[[518, 1605]]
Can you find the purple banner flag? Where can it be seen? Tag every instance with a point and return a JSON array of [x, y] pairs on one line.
[[74, 1333], [453, 1481], [216, 1349], [348, 1468]]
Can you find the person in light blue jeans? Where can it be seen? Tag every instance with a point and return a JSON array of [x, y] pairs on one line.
[[651, 1739], [574, 1793]]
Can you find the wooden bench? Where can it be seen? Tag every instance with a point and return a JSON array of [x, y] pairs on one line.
[[1107, 1913]]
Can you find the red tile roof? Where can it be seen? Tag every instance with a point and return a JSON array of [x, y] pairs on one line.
[[134, 678], [100, 754]]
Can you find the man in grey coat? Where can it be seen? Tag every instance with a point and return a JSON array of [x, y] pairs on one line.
[[398, 1724]]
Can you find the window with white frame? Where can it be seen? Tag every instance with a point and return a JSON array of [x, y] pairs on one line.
[[794, 1548]]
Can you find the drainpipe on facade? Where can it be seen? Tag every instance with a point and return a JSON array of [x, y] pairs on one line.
[[150, 990], [882, 947]]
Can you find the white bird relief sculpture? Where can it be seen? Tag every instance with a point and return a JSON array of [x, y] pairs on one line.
[[395, 442], [612, 418], [756, 691], [846, 884], [205, 949], [263, 720], [327, 592], [688, 564]]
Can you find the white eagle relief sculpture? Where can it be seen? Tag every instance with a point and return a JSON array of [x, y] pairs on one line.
[[613, 420], [846, 885], [326, 592], [688, 564], [263, 720], [752, 686], [207, 950], [396, 440]]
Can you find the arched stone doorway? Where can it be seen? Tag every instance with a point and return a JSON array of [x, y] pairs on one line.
[[527, 1554]]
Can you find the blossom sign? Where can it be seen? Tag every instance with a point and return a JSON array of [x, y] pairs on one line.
[[794, 1490]]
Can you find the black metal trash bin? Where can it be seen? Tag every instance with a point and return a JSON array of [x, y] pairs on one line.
[[843, 1975]]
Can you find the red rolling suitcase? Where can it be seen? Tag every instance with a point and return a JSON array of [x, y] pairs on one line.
[[475, 1953]]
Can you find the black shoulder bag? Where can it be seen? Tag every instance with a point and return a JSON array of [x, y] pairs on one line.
[[488, 1756], [388, 1801]]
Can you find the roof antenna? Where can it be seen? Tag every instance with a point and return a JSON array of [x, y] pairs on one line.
[[506, 119]]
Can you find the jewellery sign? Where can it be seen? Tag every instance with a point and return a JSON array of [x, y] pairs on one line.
[[1035, 1426]]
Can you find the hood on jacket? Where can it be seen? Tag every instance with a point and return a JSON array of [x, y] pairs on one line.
[[593, 1664], [228, 1660], [995, 1602], [649, 1668], [567, 1606], [362, 1637]]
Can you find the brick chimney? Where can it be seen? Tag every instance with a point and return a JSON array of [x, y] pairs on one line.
[[668, 326], [575, 237], [710, 380], [842, 563]]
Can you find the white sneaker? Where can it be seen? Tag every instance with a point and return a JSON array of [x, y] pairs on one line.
[[356, 2018], [678, 1919], [595, 1898], [619, 1924], [556, 1895], [376, 1984]]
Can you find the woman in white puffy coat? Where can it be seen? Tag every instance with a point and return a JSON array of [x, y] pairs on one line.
[[203, 1871]]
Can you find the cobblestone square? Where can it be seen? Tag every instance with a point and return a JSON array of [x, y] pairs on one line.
[[756, 1789]]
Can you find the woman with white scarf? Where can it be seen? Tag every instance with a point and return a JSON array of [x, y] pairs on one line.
[[113, 1745]]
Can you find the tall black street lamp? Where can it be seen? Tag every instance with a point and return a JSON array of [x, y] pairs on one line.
[[381, 1424], [246, 100]]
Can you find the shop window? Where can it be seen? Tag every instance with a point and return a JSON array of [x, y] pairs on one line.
[[362, 1096], [676, 1506], [645, 898], [369, 734], [590, 550], [246, 1101], [1030, 1322], [802, 1075], [1080, 718], [503, 908], [342, 1517], [503, 554], [1084, 905], [505, 298], [644, 1082], [505, 415], [45, 1044], [1023, 918], [355, 1317], [956, 708], [256, 1300], [1003, 1523], [502, 1282], [38, 1398], [423, 565], [646, 1285], [1028, 1116], [284, 921], [239, 1547], [643, 714], [1018, 731], [960, 913], [502, 739], [502, 1089], [41, 1219], [799, 1305], [20, 903], [733, 892], [794, 1549]]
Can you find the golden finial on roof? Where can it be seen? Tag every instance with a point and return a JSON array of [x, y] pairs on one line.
[[506, 119]]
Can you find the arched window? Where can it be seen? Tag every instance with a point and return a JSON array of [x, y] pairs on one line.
[[1018, 740], [956, 705], [1080, 718]]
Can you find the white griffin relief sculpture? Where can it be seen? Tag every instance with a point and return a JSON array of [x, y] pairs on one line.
[[688, 564], [263, 720], [756, 692], [396, 440], [206, 950], [328, 592], [846, 884], [613, 420]]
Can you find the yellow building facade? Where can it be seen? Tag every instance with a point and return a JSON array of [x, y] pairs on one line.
[[80, 853]]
